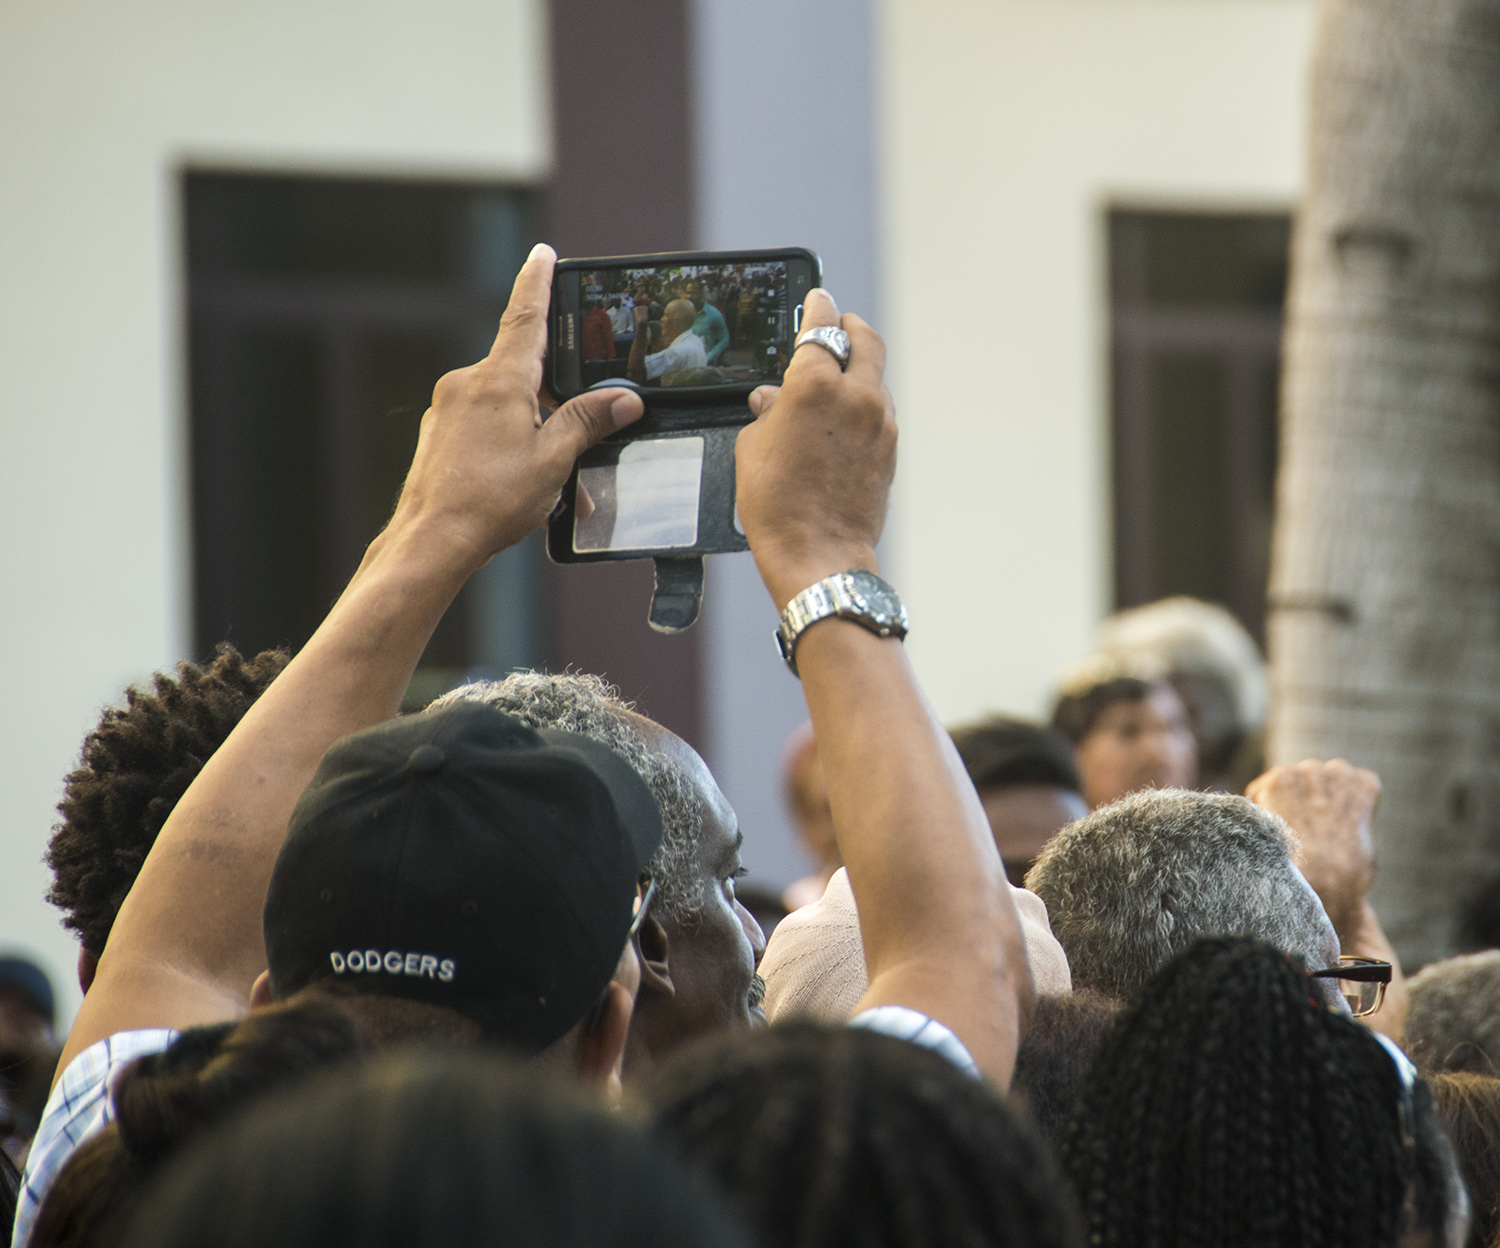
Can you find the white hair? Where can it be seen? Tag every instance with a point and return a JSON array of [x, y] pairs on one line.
[[1453, 1020], [593, 708], [1135, 883]]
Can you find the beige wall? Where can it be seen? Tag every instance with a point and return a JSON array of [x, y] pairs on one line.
[[1007, 127], [100, 105]]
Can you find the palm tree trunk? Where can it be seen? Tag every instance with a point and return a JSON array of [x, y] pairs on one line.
[[1385, 582]]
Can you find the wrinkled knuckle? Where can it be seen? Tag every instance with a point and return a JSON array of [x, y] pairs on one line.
[[452, 385], [592, 422], [587, 419]]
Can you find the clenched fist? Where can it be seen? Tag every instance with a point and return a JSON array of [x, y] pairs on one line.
[[1330, 806]]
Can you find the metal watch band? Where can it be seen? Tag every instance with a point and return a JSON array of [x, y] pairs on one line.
[[854, 595]]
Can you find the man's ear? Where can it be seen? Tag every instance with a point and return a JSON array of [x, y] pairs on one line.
[[260, 991], [601, 1052], [88, 967], [654, 949]]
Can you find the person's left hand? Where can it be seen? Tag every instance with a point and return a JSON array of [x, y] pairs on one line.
[[1331, 807]]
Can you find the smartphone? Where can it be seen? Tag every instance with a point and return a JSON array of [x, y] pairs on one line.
[[698, 331], [687, 327]]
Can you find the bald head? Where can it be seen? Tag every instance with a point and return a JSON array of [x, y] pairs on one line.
[[677, 318]]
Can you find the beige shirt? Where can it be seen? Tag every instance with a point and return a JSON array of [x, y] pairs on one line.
[[814, 965]]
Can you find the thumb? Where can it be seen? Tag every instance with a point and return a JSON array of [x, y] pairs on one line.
[[761, 399], [585, 420]]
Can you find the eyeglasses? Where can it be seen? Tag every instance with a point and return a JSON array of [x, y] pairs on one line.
[[1362, 982], [642, 903]]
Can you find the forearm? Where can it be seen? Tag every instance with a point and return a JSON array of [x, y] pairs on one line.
[[187, 944], [939, 931], [635, 366], [195, 909], [940, 935]]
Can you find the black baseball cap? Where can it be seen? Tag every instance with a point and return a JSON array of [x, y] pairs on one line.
[[463, 859]]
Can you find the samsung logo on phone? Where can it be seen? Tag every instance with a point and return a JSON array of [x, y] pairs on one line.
[[569, 331]]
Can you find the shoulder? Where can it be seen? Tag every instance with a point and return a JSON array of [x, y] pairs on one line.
[[78, 1109], [814, 964]]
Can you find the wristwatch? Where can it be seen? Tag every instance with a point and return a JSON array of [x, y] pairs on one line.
[[854, 595]]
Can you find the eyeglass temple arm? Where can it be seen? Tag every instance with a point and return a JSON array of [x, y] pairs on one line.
[[1379, 973]]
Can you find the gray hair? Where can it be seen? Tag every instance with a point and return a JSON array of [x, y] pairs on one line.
[[1453, 1016], [593, 708], [1135, 883]]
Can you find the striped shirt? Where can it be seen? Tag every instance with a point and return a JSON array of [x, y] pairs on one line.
[[78, 1109], [913, 1026]]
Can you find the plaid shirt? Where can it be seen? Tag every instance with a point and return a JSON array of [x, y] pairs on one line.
[[78, 1109]]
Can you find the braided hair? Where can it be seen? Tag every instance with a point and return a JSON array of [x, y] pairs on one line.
[[1230, 1106], [836, 1137], [136, 765]]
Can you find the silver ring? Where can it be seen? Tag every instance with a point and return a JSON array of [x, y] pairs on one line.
[[832, 339]]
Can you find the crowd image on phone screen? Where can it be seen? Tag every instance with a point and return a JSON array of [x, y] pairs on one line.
[[704, 324]]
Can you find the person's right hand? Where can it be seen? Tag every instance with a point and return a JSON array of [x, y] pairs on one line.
[[813, 472], [488, 470]]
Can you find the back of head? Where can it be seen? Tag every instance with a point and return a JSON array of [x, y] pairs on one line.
[[1453, 1016], [167, 1100], [1469, 1107], [592, 708], [163, 1100], [999, 751], [1056, 1053], [464, 861], [428, 1150], [136, 765], [1229, 1107], [827, 1136], [1141, 879]]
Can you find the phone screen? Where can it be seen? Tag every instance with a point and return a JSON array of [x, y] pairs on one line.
[[678, 325]]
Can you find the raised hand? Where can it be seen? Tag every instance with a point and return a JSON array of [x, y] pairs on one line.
[[488, 468], [1331, 807], [813, 473]]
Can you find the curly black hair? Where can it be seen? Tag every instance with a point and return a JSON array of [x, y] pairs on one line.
[[135, 767], [1231, 1107], [837, 1137]]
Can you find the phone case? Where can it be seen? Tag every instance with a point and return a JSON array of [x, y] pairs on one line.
[[715, 415]]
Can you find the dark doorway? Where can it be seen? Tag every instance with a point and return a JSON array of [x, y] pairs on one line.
[[321, 312], [1196, 315]]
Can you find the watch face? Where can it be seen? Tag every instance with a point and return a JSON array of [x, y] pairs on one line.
[[873, 597]]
